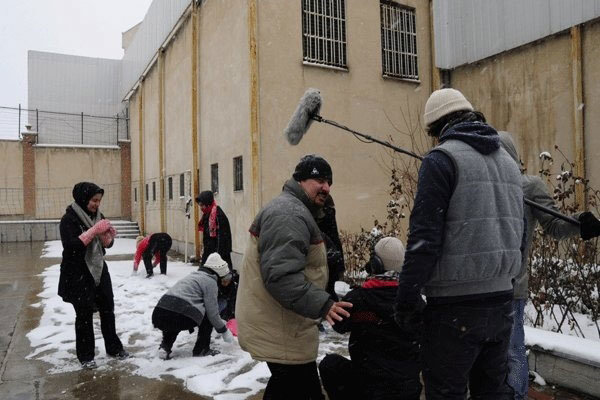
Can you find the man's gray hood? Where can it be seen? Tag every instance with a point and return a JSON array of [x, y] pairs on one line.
[[508, 143]]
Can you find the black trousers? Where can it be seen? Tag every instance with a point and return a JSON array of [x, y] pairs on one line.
[[344, 379], [159, 243], [293, 382], [171, 323], [466, 346], [84, 328]]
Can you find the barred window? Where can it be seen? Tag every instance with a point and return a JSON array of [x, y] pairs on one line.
[[147, 195], [398, 41], [135, 195], [153, 191], [214, 178], [170, 185], [324, 32], [181, 185], [238, 174]]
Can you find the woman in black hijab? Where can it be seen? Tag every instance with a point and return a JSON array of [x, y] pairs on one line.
[[84, 279]]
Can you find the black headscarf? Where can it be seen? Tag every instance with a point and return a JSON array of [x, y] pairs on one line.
[[205, 198], [83, 192]]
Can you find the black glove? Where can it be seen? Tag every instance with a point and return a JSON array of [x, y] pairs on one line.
[[589, 225], [409, 316]]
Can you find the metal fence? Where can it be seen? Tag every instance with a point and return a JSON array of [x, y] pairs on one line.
[[64, 128]]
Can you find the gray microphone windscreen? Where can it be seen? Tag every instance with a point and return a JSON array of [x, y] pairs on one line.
[[309, 106]]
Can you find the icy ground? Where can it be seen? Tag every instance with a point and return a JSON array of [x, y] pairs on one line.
[[229, 375]]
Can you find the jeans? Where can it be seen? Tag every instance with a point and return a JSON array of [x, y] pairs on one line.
[[518, 368], [293, 382], [466, 346]]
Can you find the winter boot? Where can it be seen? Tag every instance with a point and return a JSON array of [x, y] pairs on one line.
[[89, 364], [121, 355]]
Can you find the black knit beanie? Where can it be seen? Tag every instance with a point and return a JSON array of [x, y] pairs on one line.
[[205, 198], [312, 166]]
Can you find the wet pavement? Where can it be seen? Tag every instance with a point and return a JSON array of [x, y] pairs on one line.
[[23, 379]]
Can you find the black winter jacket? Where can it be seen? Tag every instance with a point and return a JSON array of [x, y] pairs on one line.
[[222, 242], [76, 284], [387, 359]]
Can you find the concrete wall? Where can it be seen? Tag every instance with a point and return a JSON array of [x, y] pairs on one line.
[[224, 114], [29, 231], [359, 98], [11, 179], [58, 169], [178, 131], [529, 91]]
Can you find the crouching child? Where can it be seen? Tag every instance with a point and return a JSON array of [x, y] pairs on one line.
[[192, 302], [384, 360]]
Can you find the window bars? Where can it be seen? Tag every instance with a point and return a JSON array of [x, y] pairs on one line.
[[398, 41], [214, 178], [238, 174], [324, 32]]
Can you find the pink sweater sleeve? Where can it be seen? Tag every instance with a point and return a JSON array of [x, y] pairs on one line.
[[140, 250]]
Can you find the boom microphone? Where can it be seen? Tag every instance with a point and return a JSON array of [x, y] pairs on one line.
[[309, 106]]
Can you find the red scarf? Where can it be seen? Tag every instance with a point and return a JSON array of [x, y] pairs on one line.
[[211, 211]]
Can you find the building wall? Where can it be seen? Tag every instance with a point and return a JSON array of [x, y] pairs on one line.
[[134, 134], [11, 179], [150, 138], [591, 98], [58, 169], [529, 91], [224, 114], [359, 98], [178, 131]]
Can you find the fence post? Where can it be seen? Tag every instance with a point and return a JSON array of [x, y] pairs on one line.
[[82, 127], [19, 127], [37, 121], [117, 128]]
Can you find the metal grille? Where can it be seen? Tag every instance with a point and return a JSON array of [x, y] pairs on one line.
[[214, 178], [324, 32], [238, 174], [398, 41]]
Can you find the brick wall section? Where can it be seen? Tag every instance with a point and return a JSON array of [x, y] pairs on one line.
[[125, 178], [29, 140]]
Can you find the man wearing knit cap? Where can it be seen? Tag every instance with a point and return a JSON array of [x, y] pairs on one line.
[[463, 251], [384, 359], [282, 294]]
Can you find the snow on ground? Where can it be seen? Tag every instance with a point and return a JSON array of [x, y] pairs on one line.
[[53, 248], [577, 348], [229, 375], [589, 329]]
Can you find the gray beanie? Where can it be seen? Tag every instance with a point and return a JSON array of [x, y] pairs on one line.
[[443, 102], [391, 252]]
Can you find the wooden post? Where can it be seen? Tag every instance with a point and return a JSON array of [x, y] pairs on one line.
[[141, 157], [254, 106], [578, 128], [196, 179], [161, 138]]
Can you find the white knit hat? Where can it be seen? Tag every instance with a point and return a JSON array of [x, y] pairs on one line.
[[443, 102], [217, 264], [391, 252]]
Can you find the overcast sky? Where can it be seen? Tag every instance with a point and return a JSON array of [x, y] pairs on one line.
[[80, 27]]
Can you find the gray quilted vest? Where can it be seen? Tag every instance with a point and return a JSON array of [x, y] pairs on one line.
[[484, 225]]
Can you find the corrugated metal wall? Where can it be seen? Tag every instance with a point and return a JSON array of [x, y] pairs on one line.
[[470, 30], [160, 19], [66, 83]]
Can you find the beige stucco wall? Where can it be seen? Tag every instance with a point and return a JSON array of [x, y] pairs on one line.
[[134, 134], [177, 129], [359, 98], [224, 117], [11, 179], [151, 166], [58, 169], [528, 91], [591, 98]]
